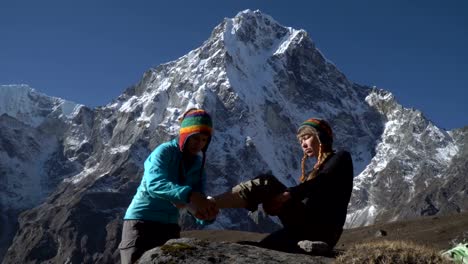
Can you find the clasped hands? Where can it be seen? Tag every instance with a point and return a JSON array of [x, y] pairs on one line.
[[205, 208], [201, 207]]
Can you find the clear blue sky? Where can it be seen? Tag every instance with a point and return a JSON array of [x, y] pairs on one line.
[[90, 51]]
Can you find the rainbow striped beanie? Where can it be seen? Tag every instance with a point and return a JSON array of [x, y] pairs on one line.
[[195, 121], [324, 130]]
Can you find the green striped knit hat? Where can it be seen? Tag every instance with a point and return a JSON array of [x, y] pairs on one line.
[[323, 129], [195, 121]]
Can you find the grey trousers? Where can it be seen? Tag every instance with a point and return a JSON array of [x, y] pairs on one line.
[[138, 236]]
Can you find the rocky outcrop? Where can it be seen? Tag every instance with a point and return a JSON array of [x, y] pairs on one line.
[[190, 250]]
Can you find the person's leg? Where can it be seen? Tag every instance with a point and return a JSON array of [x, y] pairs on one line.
[[250, 194], [156, 234], [230, 199], [305, 224], [325, 234], [293, 216], [139, 236], [317, 238], [128, 255], [129, 252], [281, 240]]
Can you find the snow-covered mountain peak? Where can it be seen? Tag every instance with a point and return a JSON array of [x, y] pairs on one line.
[[251, 46], [407, 130], [254, 34], [259, 81], [253, 70], [31, 107]]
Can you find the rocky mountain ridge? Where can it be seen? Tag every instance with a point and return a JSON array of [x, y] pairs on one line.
[[258, 80]]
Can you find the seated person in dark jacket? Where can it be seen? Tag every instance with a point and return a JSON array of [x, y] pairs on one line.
[[313, 210]]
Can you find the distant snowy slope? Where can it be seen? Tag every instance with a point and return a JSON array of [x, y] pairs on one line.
[[411, 155], [259, 80], [34, 142], [30, 107]]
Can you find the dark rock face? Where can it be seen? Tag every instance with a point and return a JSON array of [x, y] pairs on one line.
[[449, 193], [190, 250], [30, 169], [417, 170]]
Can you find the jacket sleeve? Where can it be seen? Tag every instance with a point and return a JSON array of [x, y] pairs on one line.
[[299, 192], [200, 186], [159, 183], [333, 170], [204, 222]]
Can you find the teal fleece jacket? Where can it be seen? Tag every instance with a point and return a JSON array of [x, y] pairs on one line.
[[159, 188]]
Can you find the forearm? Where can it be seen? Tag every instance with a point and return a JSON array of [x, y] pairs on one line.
[[299, 192], [172, 192]]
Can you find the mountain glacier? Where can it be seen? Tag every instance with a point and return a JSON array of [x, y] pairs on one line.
[[259, 80]]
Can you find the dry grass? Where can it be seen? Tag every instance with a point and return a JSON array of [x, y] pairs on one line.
[[391, 252]]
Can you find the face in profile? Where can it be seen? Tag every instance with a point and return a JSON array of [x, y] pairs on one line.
[[310, 144], [196, 143]]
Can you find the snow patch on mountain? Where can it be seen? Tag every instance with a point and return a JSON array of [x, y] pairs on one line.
[[408, 137], [83, 174], [259, 81], [31, 107]]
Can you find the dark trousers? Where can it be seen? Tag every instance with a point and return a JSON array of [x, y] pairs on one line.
[[138, 236], [298, 223]]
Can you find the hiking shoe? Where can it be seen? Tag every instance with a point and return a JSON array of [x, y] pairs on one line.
[[314, 247]]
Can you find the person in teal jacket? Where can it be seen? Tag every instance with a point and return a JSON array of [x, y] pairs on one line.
[[173, 178]]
